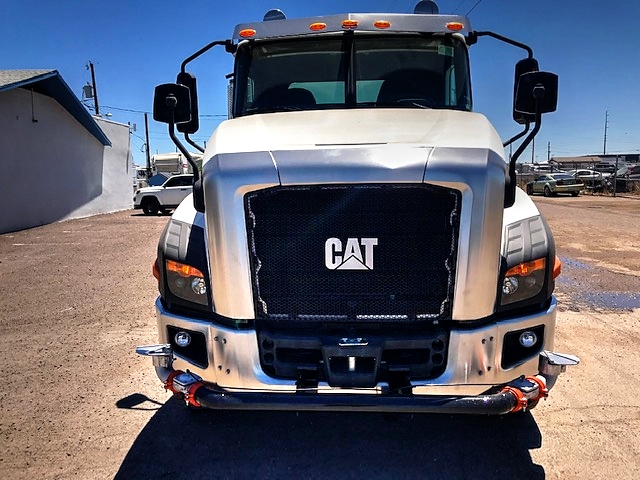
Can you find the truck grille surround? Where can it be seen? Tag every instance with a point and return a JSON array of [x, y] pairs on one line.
[[353, 253], [335, 266]]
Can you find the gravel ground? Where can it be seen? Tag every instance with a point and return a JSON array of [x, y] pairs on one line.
[[76, 402]]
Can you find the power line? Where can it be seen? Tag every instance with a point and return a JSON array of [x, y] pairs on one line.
[[131, 110], [477, 3], [459, 5], [393, 4]]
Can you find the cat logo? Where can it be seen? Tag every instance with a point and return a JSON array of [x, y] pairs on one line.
[[357, 254]]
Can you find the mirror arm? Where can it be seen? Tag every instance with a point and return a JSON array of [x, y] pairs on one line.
[[229, 46], [193, 144], [171, 103], [502, 38], [518, 136]]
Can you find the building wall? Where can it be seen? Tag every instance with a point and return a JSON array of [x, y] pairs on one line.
[[51, 168], [117, 174]]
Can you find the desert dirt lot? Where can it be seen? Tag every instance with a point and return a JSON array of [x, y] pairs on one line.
[[76, 402]]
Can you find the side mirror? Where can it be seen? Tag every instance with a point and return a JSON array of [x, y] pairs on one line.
[[192, 125], [537, 92], [526, 65], [171, 103], [198, 196]]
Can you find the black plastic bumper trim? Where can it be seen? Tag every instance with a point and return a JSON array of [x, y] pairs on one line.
[[496, 404]]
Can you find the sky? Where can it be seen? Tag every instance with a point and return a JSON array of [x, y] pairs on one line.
[[137, 44]]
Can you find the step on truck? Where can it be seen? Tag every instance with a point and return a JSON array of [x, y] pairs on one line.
[[355, 239]]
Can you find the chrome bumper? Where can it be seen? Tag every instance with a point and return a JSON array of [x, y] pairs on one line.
[[234, 378]]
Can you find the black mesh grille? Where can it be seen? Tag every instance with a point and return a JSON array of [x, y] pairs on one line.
[[363, 253]]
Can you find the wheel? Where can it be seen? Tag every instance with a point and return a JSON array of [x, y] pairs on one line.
[[575, 194], [150, 206], [529, 189], [547, 191]]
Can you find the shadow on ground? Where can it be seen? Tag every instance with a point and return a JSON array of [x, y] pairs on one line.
[[180, 443]]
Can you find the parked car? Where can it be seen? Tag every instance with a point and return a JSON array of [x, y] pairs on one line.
[[627, 178], [554, 183], [605, 167], [592, 179], [164, 197], [544, 168]]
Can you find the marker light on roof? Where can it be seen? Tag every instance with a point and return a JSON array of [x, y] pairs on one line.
[[381, 24], [247, 33], [455, 26], [350, 24], [316, 27]]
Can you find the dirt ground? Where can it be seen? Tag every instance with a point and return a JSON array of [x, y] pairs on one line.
[[76, 402]]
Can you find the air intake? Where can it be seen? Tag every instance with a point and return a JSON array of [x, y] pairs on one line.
[[426, 7], [274, 14]]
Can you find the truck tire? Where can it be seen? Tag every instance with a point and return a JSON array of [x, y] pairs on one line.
[[150, 206], [547, 191], [575, 194]]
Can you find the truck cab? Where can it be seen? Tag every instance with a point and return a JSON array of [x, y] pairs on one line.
[[355, 239]]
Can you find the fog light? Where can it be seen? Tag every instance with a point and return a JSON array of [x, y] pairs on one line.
[[528, 339], [510, 285], [199, 286], [183, 339]]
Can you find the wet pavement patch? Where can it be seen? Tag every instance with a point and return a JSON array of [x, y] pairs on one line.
[[581, 292], [571, 263], [616, 300]]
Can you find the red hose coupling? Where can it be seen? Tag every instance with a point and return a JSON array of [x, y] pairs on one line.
[[168, 383], [190, 396], [521, 400], [543, 391]]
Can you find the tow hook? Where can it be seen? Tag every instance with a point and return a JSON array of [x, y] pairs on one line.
[[186, 383], [176, 381], [552, 364], [527, 392]]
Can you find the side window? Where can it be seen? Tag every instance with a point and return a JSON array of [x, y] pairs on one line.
[[172, 182]]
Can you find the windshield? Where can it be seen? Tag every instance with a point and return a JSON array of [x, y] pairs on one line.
[[350, 71]]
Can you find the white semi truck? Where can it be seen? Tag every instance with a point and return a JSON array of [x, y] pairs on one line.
[[355, 239]]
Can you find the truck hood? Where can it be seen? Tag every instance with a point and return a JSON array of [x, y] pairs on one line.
[[456, 150], [322, 128]]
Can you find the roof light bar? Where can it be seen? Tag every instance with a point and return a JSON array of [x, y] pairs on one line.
[[247, 33], [349, 24], [455, 26], [382, 24], [316, 27]]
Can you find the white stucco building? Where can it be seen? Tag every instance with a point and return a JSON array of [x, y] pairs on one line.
[[56, 160]]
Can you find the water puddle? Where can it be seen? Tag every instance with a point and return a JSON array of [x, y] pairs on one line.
[[575, 283], [616, 300], [570, 262]]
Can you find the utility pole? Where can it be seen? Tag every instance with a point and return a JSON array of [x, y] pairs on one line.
[[548, 151], [146, 134], [606, 125], [533, 150], [95, 90]]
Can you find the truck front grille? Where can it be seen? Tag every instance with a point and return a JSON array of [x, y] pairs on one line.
[[353, 253]]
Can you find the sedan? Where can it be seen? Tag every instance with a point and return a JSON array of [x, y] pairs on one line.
[[592, 179], [555, 183]]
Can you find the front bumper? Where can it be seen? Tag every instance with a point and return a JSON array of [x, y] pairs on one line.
[[567, 188], [473, 381]]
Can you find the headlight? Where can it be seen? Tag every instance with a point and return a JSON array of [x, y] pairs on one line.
[[186, 282], [523, 281]]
